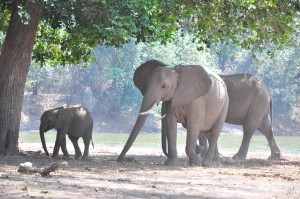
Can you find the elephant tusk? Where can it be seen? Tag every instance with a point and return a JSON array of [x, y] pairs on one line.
[[150, 110], [162, 117]]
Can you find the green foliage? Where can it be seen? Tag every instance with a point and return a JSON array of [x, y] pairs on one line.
[[69, 30], [59, 47], [280, 74], [4, 21], [109, 78]]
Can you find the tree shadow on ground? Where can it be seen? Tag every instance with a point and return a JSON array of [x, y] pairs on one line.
[[140, 176]]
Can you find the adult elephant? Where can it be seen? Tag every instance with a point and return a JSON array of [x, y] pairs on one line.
[[76, 121], [250, 105], [191, 96]]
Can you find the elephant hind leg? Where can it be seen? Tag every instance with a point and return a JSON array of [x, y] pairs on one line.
[[213, 136], [266, 129], [203, 145], [86, 141], [248, 129], [74, 140], [191, 144]]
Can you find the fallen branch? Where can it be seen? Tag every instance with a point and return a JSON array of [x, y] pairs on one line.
[[28, 168], [52, 168]]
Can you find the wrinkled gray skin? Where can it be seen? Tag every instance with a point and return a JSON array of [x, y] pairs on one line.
[[76, 121], [250, 105], [190, 96]]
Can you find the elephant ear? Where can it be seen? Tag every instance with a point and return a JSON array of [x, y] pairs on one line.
[[63, 118], [193, 82], [143, 71]]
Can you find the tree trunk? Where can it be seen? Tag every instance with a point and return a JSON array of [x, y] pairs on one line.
[[15, 60]]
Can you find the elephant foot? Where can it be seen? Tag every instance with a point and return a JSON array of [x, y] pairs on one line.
[[195, 161], [171, 162], [275, 156], [85, 157], [217, 160], [54, 156], [120, 159], [66, 157], [239, 157], [206, 163], [78, 155]]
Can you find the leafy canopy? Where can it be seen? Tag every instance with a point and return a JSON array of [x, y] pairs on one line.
[[69, 30]]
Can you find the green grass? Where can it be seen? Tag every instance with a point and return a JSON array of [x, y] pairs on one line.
[[289, 145]]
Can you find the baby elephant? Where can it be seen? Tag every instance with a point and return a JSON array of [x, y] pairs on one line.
[[76, 121]]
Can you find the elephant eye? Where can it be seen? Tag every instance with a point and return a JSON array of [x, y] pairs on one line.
[[163, 86]]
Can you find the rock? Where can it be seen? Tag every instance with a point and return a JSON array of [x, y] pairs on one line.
[[27, 167]]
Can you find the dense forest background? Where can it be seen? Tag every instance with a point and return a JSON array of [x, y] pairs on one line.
[[105, 85]]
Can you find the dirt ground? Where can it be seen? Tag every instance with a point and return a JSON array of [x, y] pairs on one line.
[[145, 176]]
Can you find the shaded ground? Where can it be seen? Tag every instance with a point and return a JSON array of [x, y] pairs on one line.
[[144, 176]]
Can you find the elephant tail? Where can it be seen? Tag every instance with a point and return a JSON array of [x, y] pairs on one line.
[[92, 143]]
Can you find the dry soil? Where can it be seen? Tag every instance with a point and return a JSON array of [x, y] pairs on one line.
[[143, 175]]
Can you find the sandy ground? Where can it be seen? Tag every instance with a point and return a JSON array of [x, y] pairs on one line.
[[145, 176]]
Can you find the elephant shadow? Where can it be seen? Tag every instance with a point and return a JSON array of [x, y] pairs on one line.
[[108, 161]]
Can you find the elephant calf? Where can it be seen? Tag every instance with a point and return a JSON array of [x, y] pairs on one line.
[[76, 121]]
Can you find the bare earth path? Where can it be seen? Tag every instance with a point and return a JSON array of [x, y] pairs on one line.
[[144, 176]]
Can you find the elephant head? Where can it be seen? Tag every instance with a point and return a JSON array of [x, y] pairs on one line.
[[48, 121], [180, 85]]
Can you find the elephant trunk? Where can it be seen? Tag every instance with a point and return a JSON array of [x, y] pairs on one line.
[[164, 142], [135, 131], [42, 135], [150, 110], [138, 125], [164, 130]]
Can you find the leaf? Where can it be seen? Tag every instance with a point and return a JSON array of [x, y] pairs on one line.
[[88, 168], [46, 192], [25, 188]]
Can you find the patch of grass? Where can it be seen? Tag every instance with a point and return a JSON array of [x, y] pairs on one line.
[[88, 168], [46, 192], [25, 188], [289, 145]]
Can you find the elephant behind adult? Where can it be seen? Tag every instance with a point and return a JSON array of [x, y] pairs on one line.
[[250, 105], [190, 96], [76, 121]]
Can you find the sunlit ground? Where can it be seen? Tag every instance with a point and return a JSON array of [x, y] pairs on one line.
[[228, 144]]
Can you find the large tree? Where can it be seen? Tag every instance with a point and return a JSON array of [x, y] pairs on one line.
[[53, 32]]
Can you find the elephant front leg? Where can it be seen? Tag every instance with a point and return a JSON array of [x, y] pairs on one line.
[[61, 134]]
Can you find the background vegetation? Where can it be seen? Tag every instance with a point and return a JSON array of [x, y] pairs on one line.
[[59, 32], [106, 86]]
